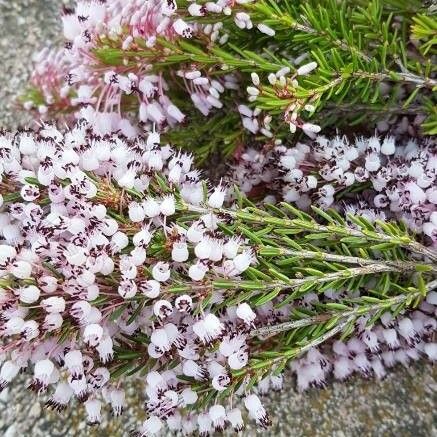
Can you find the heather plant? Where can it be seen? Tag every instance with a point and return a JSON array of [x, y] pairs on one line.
[[119, 262], [314, 253], [371, 177], [250, 68]]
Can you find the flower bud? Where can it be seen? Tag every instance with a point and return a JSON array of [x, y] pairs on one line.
[[306, 69]]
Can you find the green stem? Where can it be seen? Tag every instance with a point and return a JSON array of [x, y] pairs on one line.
[[349, 273], [401, 266], [322, 318], [313, 226]]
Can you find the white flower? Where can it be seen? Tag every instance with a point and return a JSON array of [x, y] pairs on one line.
[[8, 372], [105, 349], [189, 396], [196, 10], [120, 240], [373, 162], [231, 247], [256, 410], [75, 255], [127, 289], [391, 338], [93, 408], [27, 144], [151, 207], [210, 221], [79, 387], [203, 249], [217, 413], [229, 345], [150, 288], [252, 91], [30, 330], [238, 360], [406, 330], [92, 334], [182, 28], [191, 368], [242, 261], [21, 269], [212, 325], [154, 351], [138, 256], [431, 351], [184, 303], [371, 340], [162, 309], [195, 232], [52, 322], [388, 146], [61, 397], [179, 252], [42, 372], [311, 128], [174, 112], [245, 312], [160, 339], [54, 304], [168, 206], [343, 368], [255, 78], [217, 197], [29, 294], [142, 238], [204, 424], [118, 401], [220, 382], [197, 271], [235, 418], [161, 271], [74, 362], [136, 212], [288, 161], [127, 180], [155, 160]]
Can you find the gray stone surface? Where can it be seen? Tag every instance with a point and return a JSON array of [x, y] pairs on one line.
[[26, 26], [404, 404]]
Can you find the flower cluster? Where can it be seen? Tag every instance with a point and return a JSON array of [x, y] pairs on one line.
[[73, 80], [372, 351], [280, 83], [66, 265], [115, 260], [127, 58], [119, 262], [106, 92], [385, 180]]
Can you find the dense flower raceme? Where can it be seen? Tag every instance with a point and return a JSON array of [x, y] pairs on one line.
[[73, 79], [115, 263], [387, 179], [129, 63]]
